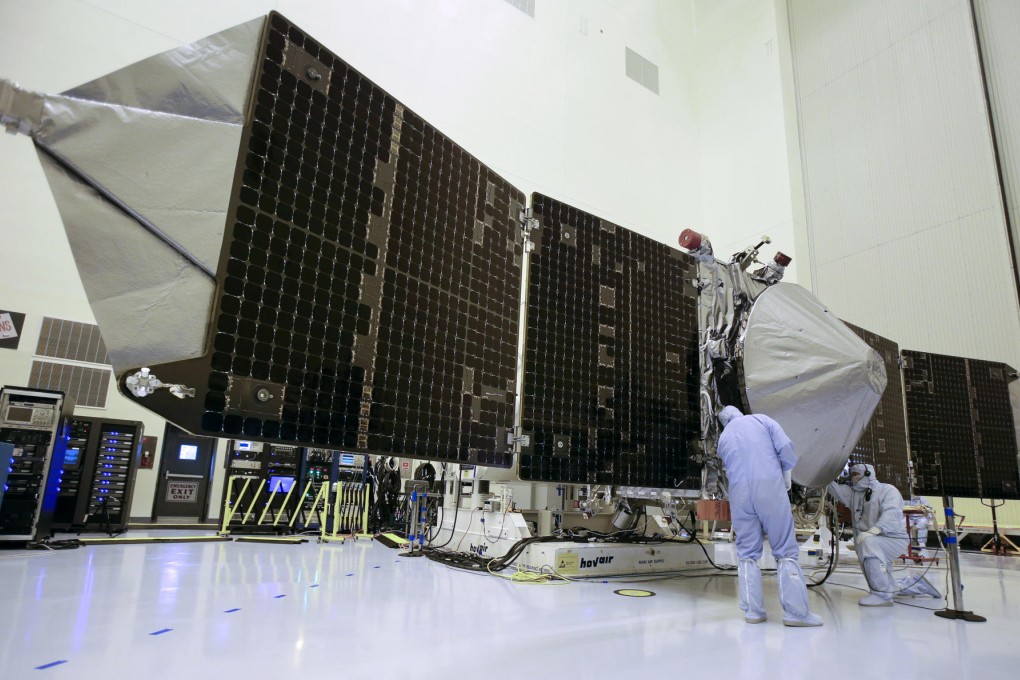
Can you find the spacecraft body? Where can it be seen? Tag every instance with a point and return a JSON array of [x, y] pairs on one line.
[[773, 348]]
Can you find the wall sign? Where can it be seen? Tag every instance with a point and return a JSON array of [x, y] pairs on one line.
[[181, 492], [11, 324]]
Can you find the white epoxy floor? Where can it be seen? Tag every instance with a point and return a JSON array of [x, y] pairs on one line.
[[359, 610]]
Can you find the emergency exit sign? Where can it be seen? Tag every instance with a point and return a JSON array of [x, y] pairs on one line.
[[181, 492]]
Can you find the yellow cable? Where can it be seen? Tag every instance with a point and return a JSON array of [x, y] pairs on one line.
[[524, 576]]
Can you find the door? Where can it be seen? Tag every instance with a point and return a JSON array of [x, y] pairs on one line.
[[185, 470]]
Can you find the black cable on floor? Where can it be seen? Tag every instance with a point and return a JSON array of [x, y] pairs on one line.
[[66, 544]]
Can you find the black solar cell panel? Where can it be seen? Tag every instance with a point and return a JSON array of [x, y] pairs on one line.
[[960, 423], [884, 442], [368, 280], [611, 365]]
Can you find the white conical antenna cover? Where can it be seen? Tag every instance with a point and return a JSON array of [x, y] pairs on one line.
[[812, 374]]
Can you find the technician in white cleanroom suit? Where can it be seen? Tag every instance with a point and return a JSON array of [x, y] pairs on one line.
[[759, 458], [919, 525], [880, 535]]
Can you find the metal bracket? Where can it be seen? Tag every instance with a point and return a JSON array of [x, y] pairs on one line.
[[248, 395], [523, 440], [144, 382], [307, 68], [528, 221]]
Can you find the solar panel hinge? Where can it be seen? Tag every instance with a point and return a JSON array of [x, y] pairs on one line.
[[523, 440], [528, 221]]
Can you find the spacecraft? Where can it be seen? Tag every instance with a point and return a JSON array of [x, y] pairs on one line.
[[277, 249]]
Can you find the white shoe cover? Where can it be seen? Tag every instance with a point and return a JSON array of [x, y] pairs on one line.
[[917, 585], [793, 595], [878, 582], [752, 602], [874, 600]]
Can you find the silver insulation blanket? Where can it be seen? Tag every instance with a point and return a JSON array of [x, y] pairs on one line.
[[141, 164], [20, 110], [727, 294], [806, 369], [148, 300]]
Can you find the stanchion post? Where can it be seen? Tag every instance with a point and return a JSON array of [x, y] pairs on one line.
[[953, 554]]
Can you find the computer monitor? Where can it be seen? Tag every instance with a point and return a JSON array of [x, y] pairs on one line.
[[71, 457], [280, 484]]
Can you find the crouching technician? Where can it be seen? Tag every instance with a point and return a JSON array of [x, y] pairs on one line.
[[880, 536]]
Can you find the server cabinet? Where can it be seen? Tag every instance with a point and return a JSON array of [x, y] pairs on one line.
[[98, 474], [34, 422]]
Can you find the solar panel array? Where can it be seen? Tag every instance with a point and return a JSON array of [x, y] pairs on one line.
[[369, 298], [883, 443], [960, 422], [368, 276], [611, 363]]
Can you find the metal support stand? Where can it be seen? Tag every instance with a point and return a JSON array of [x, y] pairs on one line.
[[915, 549], [417, 517], [998, 542], [953, 553], [107, 526]]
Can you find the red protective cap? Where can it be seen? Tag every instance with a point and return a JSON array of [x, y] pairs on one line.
[[690, 239], [782, 260]]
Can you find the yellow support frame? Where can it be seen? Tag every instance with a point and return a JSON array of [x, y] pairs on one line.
[[228, 505], [286, 499], [269, 504], [343, 509], [322, 496], [231, 507], [364, 515], [254, 500], [304, 495], [327, 537]]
